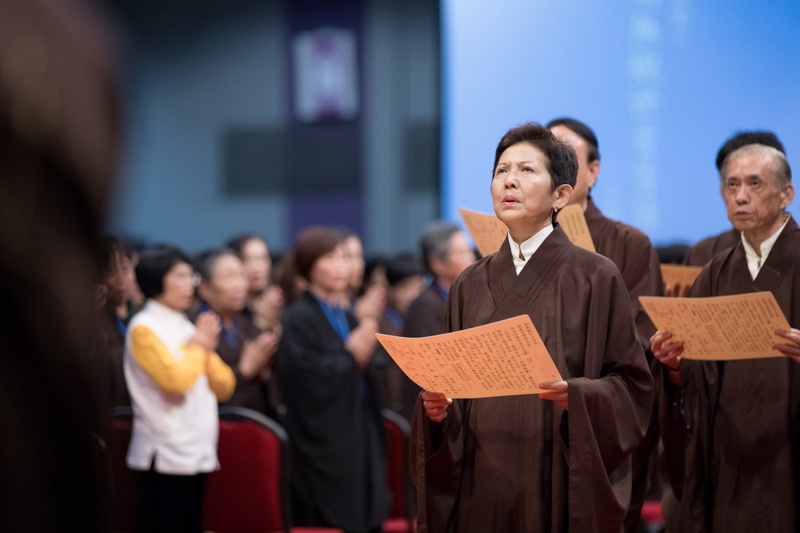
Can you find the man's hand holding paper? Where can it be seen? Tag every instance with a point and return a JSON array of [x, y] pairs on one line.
[[722, 328]]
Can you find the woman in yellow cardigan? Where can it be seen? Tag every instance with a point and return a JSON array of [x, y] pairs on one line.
[[175, 380]]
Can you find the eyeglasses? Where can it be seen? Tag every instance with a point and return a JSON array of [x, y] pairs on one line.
[[193, 277]]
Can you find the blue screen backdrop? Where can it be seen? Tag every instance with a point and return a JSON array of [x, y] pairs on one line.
[[663, 83]]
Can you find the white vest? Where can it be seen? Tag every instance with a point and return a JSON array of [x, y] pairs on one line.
[[180, 430]]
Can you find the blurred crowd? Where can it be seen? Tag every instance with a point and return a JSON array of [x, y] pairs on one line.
[[267, 318]]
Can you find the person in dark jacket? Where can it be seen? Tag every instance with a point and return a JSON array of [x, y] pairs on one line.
[[329, 385]]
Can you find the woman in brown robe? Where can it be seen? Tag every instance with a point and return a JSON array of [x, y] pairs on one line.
[[559, 461]]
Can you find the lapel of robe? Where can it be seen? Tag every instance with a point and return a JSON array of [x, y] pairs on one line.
[[512, 292], [780, 259], [769, 277], [594, 217]]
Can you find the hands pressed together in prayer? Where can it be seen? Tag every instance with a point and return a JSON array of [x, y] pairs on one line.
[[207, 331], [435, 403], [257, 354], [361, 342], [371, 304]]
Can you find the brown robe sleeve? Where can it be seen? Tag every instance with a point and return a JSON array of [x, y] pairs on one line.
[[642, 275], [636, 259], [682, 412], [609, 411], [440, 451]]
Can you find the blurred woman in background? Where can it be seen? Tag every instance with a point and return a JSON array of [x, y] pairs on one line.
[[404, 277], [265, 299], [365, 300], [249, 352], [329, 385], [115, 309], [175, 380]]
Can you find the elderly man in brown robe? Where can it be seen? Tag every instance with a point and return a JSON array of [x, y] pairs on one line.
[[731, 429], [559, 461], [702, 252]]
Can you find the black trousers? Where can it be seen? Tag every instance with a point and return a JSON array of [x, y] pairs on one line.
[[169, 503]]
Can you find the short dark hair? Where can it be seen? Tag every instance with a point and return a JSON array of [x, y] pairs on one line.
[[743, 138], [311, 244], [581, 130], [113, 247], [402, 266], [237, 242], [153, 265], [435, 242], [203, 263], [562, 162]]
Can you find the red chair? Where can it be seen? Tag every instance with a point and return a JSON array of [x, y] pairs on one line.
[[401, 514], [652, 517], [123, 499], [250, 491]]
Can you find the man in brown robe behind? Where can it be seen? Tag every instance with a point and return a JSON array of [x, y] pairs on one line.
[[731, 429], [559, 461], [637, 261], [629, 248]]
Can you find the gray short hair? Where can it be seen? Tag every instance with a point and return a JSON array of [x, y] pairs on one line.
[[780, 166], [435, 241]]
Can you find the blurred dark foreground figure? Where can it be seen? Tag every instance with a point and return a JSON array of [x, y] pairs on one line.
[[58, 150]]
